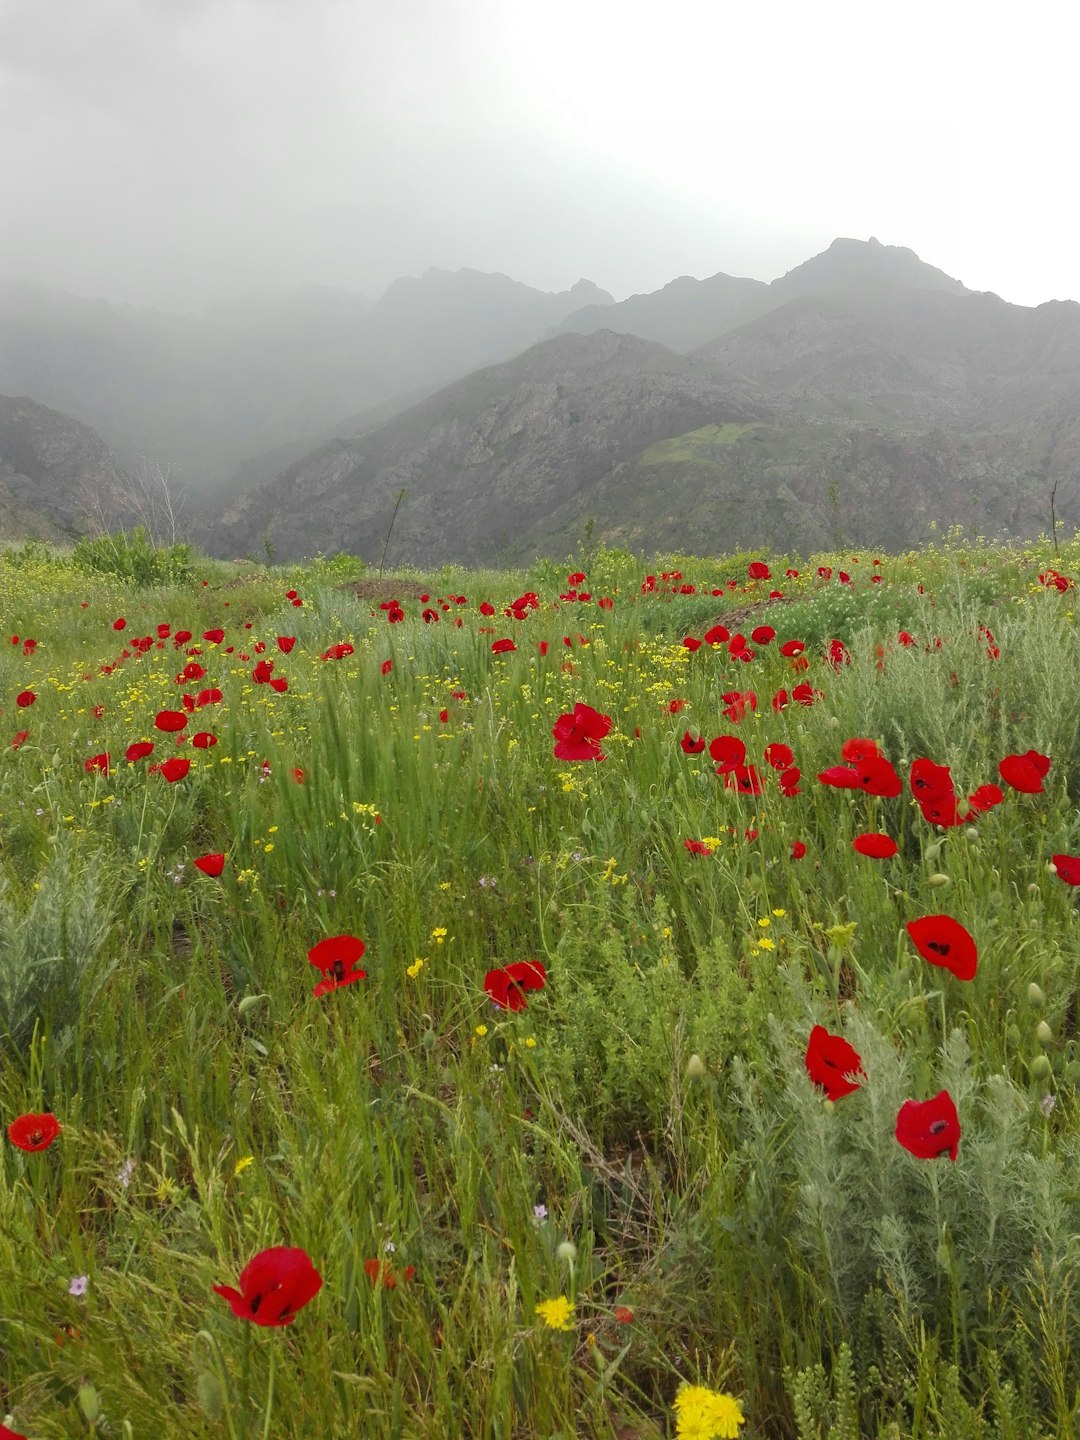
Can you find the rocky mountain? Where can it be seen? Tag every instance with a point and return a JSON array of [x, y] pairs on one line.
[[58, 478], [868, 395], [199, 395], [688, 313], [485, 462]]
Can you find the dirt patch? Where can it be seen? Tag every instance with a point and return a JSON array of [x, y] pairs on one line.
[[388, 589], [738, 619]]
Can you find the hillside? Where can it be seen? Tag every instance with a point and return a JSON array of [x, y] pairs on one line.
[[56, 475], [200, 394], [487, 461], [890, 398]]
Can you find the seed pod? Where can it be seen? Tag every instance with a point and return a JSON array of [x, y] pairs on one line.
[[1035, 996], [1039, 1069], [1043, 1033], [938, 880]]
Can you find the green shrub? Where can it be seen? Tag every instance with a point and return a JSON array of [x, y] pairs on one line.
[[132, 556]]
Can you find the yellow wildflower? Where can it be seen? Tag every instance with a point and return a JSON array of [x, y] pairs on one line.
[[556, 1314], [243, 1163], [704, 1414]]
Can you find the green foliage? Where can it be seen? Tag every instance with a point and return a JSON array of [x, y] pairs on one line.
[[650, 1107], [131, 556]]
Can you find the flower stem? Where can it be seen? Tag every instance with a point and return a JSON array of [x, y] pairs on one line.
[[270, 1394]]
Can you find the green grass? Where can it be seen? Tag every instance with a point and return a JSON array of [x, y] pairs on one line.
[[696, 445], [643, 1137]]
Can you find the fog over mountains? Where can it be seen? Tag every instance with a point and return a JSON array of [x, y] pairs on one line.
[[858, 397]]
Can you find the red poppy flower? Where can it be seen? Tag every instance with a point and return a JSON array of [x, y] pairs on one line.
[[191, 671], [211, 865], [139, 751], [215, 636], [578, 735], [274, 1285], [203, 740], [985, 798], [943, 941], [1025, 772], [20, 739], [779, 755], [298, 775], [506, 987], [696, 847], [763, 634], [34, 1132], [837, 654], [717, 635], [623, 1314], [338, 651], [692, 742], [387, 666], [758, 570], [119, 624], [744, 778], [691, 643], [337, 957], [929, 1128], [5, 1433], [791, 648], [798, 850], [805, 694], [1067, 867], [789, 781], [841, 777], [780, 701], [728, 751], [930, 779], [170, 721], [175, 768], [212, 696], [857, 749], [737, 703], [502, 647], [831, 1063], [875, 845], [262, 672], [377, 1270], [97, 762], [279, 684], [25, 699]]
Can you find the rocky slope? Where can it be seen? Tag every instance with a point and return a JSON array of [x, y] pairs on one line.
[[58, 478]]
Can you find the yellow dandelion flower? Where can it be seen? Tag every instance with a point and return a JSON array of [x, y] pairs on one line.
[[243, 1163], [556, 1314], [414, 969], [704, 1414]]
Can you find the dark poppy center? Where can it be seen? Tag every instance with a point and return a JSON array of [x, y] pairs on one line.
[[256, 1301], [937, 1126], [939, 947], [338, 969], [36, 1136]]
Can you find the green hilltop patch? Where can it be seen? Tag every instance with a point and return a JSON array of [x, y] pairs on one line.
[[696, 445]]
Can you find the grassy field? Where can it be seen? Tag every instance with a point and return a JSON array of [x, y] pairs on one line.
[[593, 1194]]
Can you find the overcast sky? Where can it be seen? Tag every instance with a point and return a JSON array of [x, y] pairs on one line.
[[176, 152]]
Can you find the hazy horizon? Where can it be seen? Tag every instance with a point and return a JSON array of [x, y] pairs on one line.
[[180, 155]]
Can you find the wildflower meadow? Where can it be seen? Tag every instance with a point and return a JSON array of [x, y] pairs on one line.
[[590, 1001]]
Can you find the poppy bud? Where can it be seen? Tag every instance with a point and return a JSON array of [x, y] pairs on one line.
[[1033, 889], [1013, 1036], [938, 881], [695, 1068], [567, 1251], [1035, 996], [834, 722], [1072, 1072], [971, 833], [1043, 1033], [1040, 1068], [89, 1404]]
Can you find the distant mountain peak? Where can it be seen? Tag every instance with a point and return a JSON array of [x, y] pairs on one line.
[[859, 267]]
